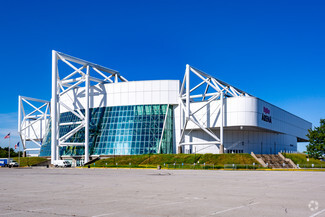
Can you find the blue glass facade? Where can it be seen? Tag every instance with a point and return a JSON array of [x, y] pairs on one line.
[[120, 130]]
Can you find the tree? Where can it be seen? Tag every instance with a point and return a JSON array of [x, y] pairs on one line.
[[4, 152], [316, 147]]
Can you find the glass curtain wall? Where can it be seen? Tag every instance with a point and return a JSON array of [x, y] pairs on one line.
[[120, 130]]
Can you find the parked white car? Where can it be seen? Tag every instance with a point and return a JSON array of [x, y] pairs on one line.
[[13, 163], [62, 163]]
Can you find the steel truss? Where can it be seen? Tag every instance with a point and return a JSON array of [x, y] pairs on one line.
[[220, 90], [89, 74], [32, 126]]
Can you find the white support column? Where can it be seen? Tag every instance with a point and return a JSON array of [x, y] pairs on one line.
[[62, 88], [40, 128], [19, 123], [187, 74], [181, 123], [54, 107], [116, 78], [57, 152], [19, 114], [87, 117], [163, 129], [46, 118], [221, 151]]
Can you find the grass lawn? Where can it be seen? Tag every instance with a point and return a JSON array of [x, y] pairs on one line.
[[29, 161], [176, 160], [301, 159]]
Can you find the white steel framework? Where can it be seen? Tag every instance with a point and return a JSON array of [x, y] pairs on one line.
[[218, 91], [83, 76], [32, 125]]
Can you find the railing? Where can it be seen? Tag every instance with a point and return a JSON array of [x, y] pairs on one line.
[[203, 166], [194, 166], [311, 166], [243, 166], [280, 166]]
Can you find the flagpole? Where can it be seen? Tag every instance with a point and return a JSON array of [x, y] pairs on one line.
[[18, 154], [9, 149]]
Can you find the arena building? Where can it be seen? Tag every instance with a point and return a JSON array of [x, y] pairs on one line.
[[95, 111]]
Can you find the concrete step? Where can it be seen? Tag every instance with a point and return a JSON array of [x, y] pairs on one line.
[[274, 161]]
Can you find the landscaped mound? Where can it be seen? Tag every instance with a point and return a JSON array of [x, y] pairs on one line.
[[177, 161], [29, 161], [304, 161]]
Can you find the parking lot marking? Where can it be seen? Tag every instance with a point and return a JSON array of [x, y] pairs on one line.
[[317, 213], [165, 204], [157, 205], [35, 210], [106, 214], [230, 209], [11, 213], [14, 213]]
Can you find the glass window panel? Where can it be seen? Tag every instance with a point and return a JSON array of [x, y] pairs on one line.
[[128, 129]]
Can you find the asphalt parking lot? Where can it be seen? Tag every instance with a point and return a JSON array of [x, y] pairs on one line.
[[143, 192]]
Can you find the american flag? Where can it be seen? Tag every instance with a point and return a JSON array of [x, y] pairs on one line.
[[7, 136], [17, 145]]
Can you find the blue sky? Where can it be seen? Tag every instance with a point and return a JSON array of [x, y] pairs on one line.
[[274, 50]]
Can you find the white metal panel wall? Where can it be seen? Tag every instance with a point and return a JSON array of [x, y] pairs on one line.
[[125, 93], [247, 111], [247, 141], [282, 121]]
